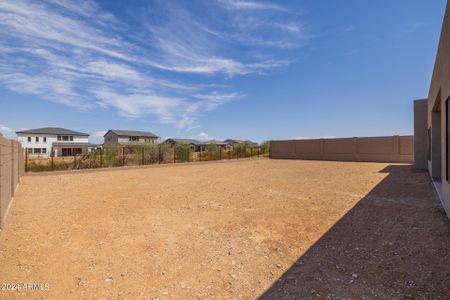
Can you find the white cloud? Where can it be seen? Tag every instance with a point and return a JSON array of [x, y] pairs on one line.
[[203, 136], [78, 55], [290, 27], [113, 71], [137, 105], [100, 133], [214, 99], [97, 137], [7, 132], [184, 50], [414, 26], [251, 5], [266, 24]]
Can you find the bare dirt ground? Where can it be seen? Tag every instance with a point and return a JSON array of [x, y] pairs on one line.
[[248, 229]]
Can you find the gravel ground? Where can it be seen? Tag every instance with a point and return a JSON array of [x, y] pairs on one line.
[[248, 229]]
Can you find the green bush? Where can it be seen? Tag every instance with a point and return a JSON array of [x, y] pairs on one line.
[[212, 152], [265, 147], [183, 153]]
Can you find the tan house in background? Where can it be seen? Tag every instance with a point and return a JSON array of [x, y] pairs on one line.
[[195, 145], [129, 136], [432, 121]]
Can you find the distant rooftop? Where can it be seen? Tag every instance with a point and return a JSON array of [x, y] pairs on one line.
[[119, 132], [196, 142], [216, 142], [238, 141], [186, 141], [52, 131]]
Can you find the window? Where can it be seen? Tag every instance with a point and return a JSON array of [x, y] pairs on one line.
[[37, 139], [65, 138], [44, 150], [429, 143], [133, 139], [30, 150], [37, 150], [45, 139], [447, 128], [29, 139]]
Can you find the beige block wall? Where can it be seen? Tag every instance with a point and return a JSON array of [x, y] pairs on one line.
[[371, 149], [11, 169]]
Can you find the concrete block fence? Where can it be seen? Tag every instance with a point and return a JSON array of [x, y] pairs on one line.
[[11, 169], [390, 149]]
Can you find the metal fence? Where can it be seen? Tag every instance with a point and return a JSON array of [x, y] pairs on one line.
[[137, 155]]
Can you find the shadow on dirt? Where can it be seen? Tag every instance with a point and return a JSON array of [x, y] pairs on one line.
[[395, 243]]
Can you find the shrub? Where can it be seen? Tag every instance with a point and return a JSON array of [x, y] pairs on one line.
[[183, 153], [212, 152]]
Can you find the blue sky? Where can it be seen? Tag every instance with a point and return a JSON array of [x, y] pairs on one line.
[[218, 68]]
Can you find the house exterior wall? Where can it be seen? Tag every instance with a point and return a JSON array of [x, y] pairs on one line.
[[436, 141], [123, 139], [126, 140], [397, 149], [23, 140], [420, 134], [58, 150], [111, 137], [438, 95]]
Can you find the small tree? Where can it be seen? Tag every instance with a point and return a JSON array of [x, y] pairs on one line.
[[212, 151], [265, 147], [183, 152]]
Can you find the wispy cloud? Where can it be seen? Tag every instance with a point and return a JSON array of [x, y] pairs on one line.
[[79, 55], [213, 100], [6, 131], [414, 26], [251, 5]]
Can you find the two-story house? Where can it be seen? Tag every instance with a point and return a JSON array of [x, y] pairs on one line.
[[129, 137], [56, 141]]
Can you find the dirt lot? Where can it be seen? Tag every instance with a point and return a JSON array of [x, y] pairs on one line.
[[247, 229]]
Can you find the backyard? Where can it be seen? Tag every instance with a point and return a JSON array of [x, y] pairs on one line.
[[229, 229]]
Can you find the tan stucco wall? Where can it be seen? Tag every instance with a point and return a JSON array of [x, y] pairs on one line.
[[420, 134], [371, 149], [438, 94], [11, 169]]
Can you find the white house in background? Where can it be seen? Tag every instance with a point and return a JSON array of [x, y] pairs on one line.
[[59, 141], [129, 137]]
